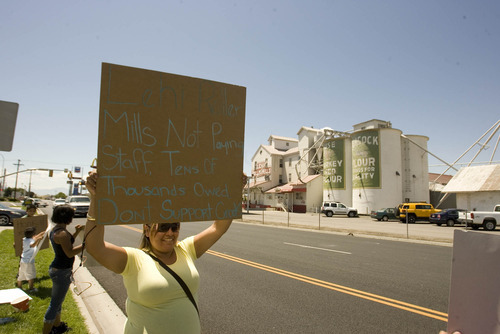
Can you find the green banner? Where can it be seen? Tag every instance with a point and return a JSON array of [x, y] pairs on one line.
[[333, 164], [366, 159]]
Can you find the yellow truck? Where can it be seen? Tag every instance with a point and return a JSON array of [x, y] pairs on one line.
[[416, 211]]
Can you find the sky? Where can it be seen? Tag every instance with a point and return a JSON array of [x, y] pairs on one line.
[[430, 67]]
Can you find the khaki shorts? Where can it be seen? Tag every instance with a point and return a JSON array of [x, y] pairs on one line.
[[27, 271]]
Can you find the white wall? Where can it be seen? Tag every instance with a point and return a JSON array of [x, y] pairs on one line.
[[314, 194], [415, 175], [479, 200]]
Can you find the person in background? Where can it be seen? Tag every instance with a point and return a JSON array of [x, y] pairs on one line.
[[60, 270], [30, 210], [156, 303], [27, 270]]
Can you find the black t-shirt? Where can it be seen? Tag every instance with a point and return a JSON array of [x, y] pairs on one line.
[[61, 261]]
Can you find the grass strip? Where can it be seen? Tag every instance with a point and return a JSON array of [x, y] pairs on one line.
[[31, 321]]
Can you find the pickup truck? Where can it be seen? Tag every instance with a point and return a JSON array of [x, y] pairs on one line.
[[486, 219]]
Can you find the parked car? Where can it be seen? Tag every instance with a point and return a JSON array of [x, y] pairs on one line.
[[416, 211], [57, 202], [450, 217], [79, 203], [8, 214], [337, 208], [384, 214], [39, 203]]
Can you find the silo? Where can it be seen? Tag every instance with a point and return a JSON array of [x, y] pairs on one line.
[[337, 170], [376, 169], [415, 168]]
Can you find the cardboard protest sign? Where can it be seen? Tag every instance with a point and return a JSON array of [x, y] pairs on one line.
[[474, 292], [21, 224], [170, 148]]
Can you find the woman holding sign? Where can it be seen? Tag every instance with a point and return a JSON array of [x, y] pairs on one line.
[[160, 276]]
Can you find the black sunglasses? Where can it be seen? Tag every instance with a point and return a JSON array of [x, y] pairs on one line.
[[167, 226]]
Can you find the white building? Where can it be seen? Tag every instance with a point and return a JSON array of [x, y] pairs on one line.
[[275, 183], [371, 167], [476, 188]]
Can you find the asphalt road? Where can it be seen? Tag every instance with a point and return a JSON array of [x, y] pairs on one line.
[[262, 279]]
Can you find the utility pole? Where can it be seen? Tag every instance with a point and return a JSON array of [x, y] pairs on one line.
[[29, 187], [17, 174], [2, 187]]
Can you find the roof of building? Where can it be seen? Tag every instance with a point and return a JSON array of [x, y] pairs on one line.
[[307, 128], [438, 178], [293, 186], [256, 184], [373, 123], [295, 140], [476, 178], [308, 178], [271, 150]]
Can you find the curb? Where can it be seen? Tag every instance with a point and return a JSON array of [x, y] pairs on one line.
[[101, 313]]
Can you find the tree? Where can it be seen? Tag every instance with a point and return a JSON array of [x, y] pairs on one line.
[[60, 195], [8, 192]]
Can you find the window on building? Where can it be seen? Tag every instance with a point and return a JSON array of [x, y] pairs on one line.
[[281, 179], [281, 163], [289, 162], [289, 177]]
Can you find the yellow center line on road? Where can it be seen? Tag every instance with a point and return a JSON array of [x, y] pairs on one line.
[[132, 228], [332, 286]]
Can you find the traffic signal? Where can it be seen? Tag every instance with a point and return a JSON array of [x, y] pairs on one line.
[[51, 173]]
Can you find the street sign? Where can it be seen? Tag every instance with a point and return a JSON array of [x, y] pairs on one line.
[[8, 117]]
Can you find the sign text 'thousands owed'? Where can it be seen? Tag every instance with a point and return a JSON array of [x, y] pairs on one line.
[[170, 147]]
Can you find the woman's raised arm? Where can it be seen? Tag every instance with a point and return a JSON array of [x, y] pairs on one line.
[[107, 254], [207, 238]]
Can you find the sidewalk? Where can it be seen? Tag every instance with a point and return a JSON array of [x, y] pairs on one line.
[[362, 226], [101, 313]]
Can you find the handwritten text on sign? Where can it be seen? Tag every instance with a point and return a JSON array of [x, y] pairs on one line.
[[170, 147]]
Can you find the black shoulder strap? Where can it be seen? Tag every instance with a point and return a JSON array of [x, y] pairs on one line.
[[179, 280]]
